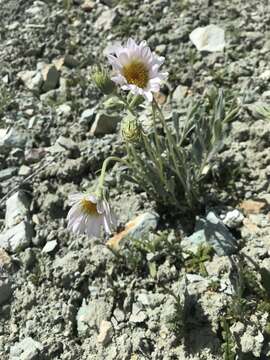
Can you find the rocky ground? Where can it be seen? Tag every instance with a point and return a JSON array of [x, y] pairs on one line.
[[170, 293]]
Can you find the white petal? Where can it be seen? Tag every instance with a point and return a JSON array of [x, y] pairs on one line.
[[148, 95], [114, 62], [75, 197], [131, 43], [92, 198], [106, 225], [119, 79], [74, 212]]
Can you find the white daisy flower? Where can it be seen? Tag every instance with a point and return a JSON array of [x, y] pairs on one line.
[[136, 68], [88, 214]]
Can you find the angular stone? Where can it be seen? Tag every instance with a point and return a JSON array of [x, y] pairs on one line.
[[253, 206], [51, 77], [105, 332], [17, 238], [12, 139], [213, 232], [27, 349], [32, 79], [88, 5], [179, 93], [87, 116], [5, 260], [68, 144], [233, 219], [5, 289], [209, 38], [91, 315], [106, 20], [24, 170], [104, 124], [138, 315], [135, 229], [17, 209], [6, 174], [50, 246]]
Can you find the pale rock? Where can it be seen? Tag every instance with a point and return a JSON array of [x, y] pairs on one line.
[[32, 79], [135, 229], [106, 20], [105, 332], [17, 238], [211, 231], [90, 316], [24, 170], [64, 109], [265, 75], [88, 5], [11, 138], [17, 209], [27, 349], [138, 315], [5, 260], [50, 246], [209, 38], [233, 219]]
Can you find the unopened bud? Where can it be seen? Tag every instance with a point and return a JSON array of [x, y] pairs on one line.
[[102, 80], [131, 129]]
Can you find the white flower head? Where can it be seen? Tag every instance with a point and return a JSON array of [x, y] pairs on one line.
[[88, 214], [136, 68]]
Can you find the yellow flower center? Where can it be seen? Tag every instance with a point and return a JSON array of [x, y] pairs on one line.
[[88, 207], [136, 73]]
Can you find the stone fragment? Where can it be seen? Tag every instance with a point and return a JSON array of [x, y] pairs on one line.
[[68, 144], [5, 288], [34, 155], [135, 229], [32, 79], [213, 232], [138, 315], [105, 332], [87, 116], [252, 206], [27, 349], [179, 93], [67, 60], [6, 174], [17, 238], [88, 5], [251, 343], [209, 38], [104, 124], [50, 246], [24, 170], [64, 109], [233, 219], [251, 227], [5, 260], [90, 316], [17, 209], [51, 77], [106, 20], [12, 139]]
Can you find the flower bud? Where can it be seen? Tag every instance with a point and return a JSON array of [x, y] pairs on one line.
[[102, 80], [131, 129]]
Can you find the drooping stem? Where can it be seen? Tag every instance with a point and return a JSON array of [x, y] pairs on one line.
[[103, 173]]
